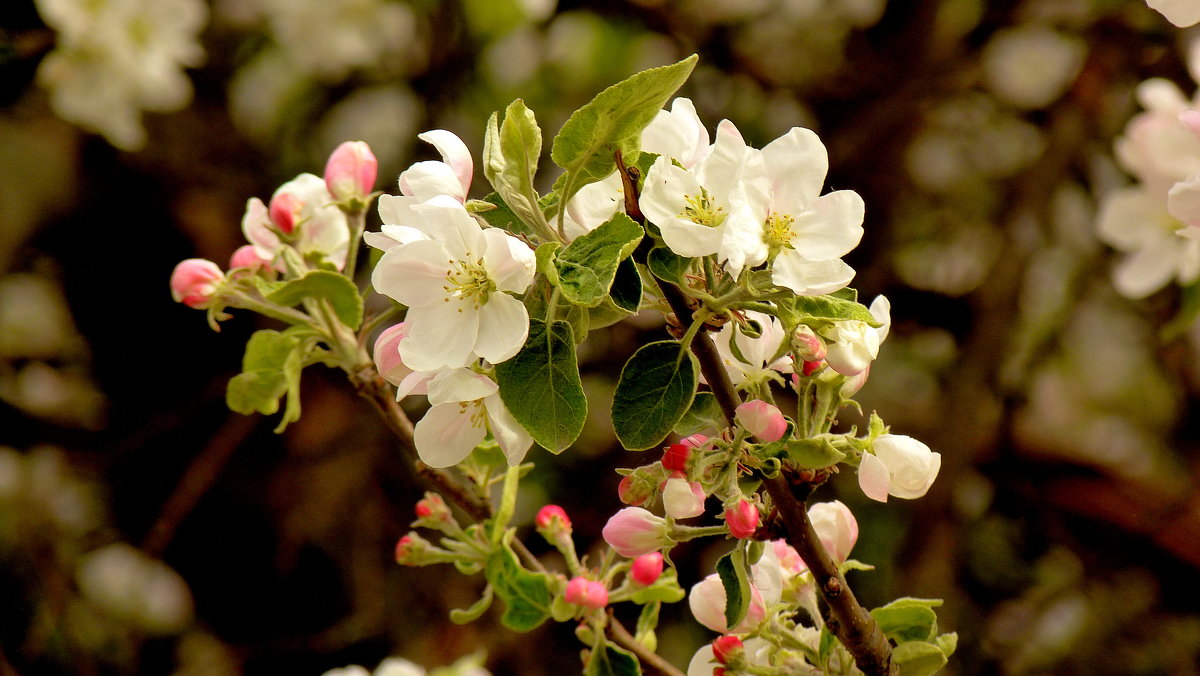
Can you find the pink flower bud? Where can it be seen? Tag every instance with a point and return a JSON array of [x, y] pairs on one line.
[[433, 507], [675, 457], [742, 519], [835, 526], [587, 593], [807, 345], [1191, 119], [789, 558], [855, 382], [762, 420], [683, 499], [646, 568], [552, 518], [900, 466], [195, 281], [727, 647], [635, 489], [285, 211], [245, 257], [707, 603], [810, 367], [634, 531], [350, 171], [387, 354], [410, 548]]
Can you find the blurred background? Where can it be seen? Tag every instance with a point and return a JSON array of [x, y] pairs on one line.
[[145, 529]]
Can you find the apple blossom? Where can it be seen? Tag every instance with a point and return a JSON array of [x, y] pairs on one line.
[[303, 204], [1136, 221], [451, 176], [675, 457], [755, 651], [756, 361], [552, 517], [465, 406], [1182, 13], [727, 647], [350, 172], [853, 345], [587, 593], [682, 499], [762, 420], [742, 518], [900, 466], [835, 526], [195, 282], [678, 134], [807, 345], [456, 285], [387, 354], [634, 531], [635, 489], [706, 599], [246, 256], [646, 568], [284, 211], [432, 507]]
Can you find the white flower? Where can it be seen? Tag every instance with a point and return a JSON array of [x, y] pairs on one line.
[[807, 232], [704, 211], [1156, 147], [1182, 13], [757, 354], [456, 285], [1135, 220], [464, 406], [853, 345], [592, 205], [703, 663], [320, 226], [836, 527], [452, 176], [678, 134], [900, 466], [115, 58]]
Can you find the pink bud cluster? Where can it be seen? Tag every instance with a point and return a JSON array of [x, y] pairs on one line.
[[350, 172], [587, 593]]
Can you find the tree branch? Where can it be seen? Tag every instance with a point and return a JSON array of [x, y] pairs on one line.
[[621, 636]]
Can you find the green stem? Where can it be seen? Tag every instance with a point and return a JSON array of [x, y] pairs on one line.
[[245, 301], [358, 223]]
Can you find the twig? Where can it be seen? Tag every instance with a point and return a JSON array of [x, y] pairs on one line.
[[621, 636]]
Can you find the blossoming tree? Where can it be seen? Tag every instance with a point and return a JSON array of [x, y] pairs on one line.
[[738, 249]]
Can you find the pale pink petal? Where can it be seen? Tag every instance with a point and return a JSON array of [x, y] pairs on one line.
[[509, 262], [810, 278], [413, 274], [454, 153], [440, 335], [797, 163], [447, 434], [451, 385], [873, 477], [504, 325]]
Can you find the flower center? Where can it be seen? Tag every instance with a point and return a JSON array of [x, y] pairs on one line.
[[703, 210], [468, 281], [475, 412], [777, 231]]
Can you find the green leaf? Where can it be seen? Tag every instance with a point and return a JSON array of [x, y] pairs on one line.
[[541, 386], [731, 568], [948, 643], [665, 589], [610, 660], [465, 615], [917, 658], [333, 287], [255, 391], [913, 623], [656, 388], [825, 646], [587, 267], [525, 594], [271, 368], [510, 158], [668, 265], [627, 287], [807, 308], [704, 415], [269, 350], [544, 257], [612, 121]]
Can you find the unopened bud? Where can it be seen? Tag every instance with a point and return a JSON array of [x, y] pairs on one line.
[[350, 172], [195, 281], [433, 508], [587, 593], [411, 548], [742, 519], [646, 568], [552, 519], [245, 257], [727, 648], [682, 499], [761, 419], [810, 367], [634, 531], [807, 345], [387, 354], [636, 488], [285, 211], [675, 457]]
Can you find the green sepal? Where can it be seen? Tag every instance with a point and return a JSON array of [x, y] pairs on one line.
[[333, 287], [656, 388], [612, 121], [610, 660], [465, 615], [731, 568], [588, 265], [541, 388], [525, 594], [810, 453]]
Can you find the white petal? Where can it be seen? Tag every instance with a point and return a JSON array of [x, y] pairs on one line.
[[873, 477], [256, 226], [721, 170], [915, 484], [451, 385], [703, 663], [663, 201], [797, 163], [447, 434], [397, 210], [416, 382], [1146, 270], [503, 327], [1129, 217], [742, 244], [425, 180], [454, 153], [1179, 12], [810, 278], [1183, 202], [509, 262], [413, 274], [449, 223], [678, 134], [509, 433], [831, 228], [441, 335], [594, 204], [391, 235]]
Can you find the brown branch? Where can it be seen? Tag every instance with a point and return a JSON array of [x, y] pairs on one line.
[[621, 636]]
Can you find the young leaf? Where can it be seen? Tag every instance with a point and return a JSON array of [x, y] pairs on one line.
[[524, 593], [465, 615], [916, 658], [541, 386], [510, 157], [825, 307], [587, 267], [704, 415], [334, 287], [255, 391], [905, 623], [612, 121], [668, 265], [731, 568], [496, 213], [626, 290], [656, 388], [813, 453], [612, 661]]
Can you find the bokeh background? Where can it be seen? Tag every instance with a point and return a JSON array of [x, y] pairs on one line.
[[145, 529]]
